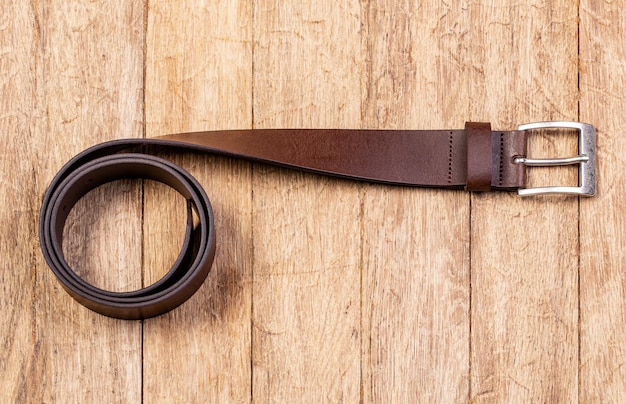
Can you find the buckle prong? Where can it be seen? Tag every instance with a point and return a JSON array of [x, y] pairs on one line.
[[551, 162], [585, 160]]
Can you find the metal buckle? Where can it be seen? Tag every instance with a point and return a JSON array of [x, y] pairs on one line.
[[586, 160]]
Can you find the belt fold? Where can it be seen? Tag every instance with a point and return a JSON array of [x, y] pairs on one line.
[[475, 159]]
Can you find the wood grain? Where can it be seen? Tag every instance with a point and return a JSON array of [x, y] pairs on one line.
[[307, 244], [89, 90], [198, 77], [524, 264], [20, 353], [323, 290], [416, 242], [602, 231]]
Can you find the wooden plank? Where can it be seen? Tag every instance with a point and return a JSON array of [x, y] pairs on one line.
[[416, 241], [524, 263], [89, 90], [602, 228], [307, 240], [20, 355], [199, 77]]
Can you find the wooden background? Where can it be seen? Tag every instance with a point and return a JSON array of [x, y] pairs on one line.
[[323, 290]]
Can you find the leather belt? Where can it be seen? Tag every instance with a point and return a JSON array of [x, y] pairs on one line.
[[475, 159]]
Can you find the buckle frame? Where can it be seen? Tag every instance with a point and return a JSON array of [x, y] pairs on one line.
[[586, 160]]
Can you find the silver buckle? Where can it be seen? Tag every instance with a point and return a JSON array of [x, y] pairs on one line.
[[586, 160]]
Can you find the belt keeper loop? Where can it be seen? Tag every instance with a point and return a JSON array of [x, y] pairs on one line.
[[479, 156]]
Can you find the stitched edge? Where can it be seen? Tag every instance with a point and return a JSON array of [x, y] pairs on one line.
[[450, 158], [501, 177]]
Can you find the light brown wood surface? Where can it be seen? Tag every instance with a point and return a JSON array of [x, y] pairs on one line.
[[323, 290]]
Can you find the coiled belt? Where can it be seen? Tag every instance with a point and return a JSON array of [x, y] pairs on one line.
[[475, 159]]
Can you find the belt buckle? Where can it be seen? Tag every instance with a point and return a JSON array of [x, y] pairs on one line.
[[586, 160]]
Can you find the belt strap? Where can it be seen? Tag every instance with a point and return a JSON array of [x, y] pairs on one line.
[[425, 158], [475, 159]]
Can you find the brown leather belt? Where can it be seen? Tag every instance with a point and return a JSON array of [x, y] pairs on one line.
[[474, 159]]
